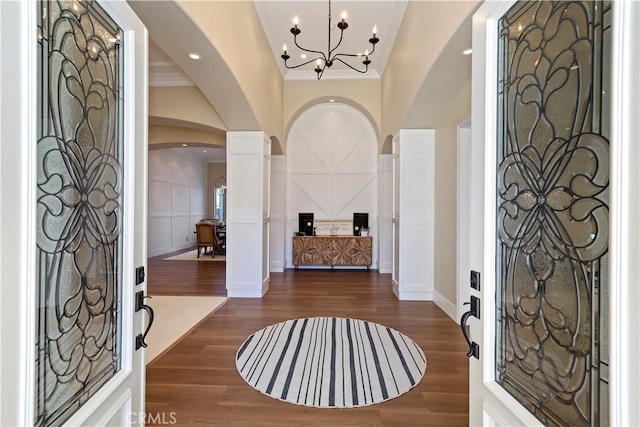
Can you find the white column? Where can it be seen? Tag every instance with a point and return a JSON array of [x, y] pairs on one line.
[[413, 214], [385, 241], [248, 159], [278, 212]]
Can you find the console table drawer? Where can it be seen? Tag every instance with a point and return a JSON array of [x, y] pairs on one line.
[[332, 250]]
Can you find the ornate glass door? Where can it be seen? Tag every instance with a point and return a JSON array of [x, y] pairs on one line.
[[552, 205], [86, 370], [80, 207], [540, 230]]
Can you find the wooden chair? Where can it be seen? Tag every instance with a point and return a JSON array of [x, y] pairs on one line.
[[206, 234]]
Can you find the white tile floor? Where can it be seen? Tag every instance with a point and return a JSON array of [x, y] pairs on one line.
[[174, 317]]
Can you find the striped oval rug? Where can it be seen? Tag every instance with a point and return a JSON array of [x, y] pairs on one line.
[[331, 362]]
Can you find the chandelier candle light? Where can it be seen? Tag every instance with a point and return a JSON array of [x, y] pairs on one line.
[[324, 61]]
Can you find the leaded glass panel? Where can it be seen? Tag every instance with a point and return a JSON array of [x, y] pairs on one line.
[[552, 195], [79, 209]]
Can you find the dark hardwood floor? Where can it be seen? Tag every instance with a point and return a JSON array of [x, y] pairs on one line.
[[196, 381]]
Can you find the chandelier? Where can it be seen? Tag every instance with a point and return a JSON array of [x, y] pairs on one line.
[[326, 60]]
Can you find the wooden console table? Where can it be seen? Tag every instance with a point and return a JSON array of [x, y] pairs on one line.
[[332, 250]]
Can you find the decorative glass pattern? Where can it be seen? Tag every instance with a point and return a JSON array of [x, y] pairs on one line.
[[79, 210], [552, 195]]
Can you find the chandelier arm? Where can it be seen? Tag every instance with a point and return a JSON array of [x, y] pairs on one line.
[[295, 41], [330, 55], [349, 55], [337, 45], [352, 67], [303, 64], [353, 55], [328, 38], [321, 73]]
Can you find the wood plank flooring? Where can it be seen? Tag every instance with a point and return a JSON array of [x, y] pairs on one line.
[[197, 382]]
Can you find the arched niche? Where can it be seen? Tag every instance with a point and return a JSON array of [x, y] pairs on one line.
[[332, 167], [387, 145], [336, 100], [276, 146]]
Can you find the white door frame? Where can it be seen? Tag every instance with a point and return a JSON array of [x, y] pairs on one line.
[[624, 241], [489, 404], [463, 215], [121, 399], [17, 185]]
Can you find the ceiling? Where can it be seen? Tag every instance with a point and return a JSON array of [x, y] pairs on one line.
[[163, 71], [277, 16], [208, 154]]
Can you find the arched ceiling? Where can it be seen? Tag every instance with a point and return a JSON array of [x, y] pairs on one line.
[[330, 100], [432, 88], [276, 18], [450, 73], [177, 35]]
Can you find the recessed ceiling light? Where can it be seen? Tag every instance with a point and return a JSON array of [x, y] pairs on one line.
[[303, 56], [184, 145], [204, 151], [332, 100], [467, 51], [194, 55]]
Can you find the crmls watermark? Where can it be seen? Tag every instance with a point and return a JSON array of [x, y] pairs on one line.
[[158, 418]]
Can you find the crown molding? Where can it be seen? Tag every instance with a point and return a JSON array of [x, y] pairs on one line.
[[331, 75], [169, 79]]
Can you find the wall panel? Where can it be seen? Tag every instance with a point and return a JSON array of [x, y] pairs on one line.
[[248, 178], [160, 165], [180, 195], [278, 214], [332, 169], [160, 241], [159, 202], [385, 178], [177, 182], [413, 218]]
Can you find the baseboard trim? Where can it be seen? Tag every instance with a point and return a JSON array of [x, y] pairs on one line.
[[169, 249], [445, 305], [415, 296], [411, 293], [276, 267], [248, 292], [160, 251]]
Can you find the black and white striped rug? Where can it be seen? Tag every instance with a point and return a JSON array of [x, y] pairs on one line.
[[331, 362]]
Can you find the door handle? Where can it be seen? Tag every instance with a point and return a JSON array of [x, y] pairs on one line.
[[474, 348], [140, 305]]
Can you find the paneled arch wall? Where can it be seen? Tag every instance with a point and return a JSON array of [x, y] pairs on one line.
[[177, 185], [332, 162]]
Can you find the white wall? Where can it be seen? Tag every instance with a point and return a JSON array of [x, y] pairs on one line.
[[277, 256], [413, 214], [177, 185], [215, 171], [385, 177], [248, 210], [332, 167], [446, 174]]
